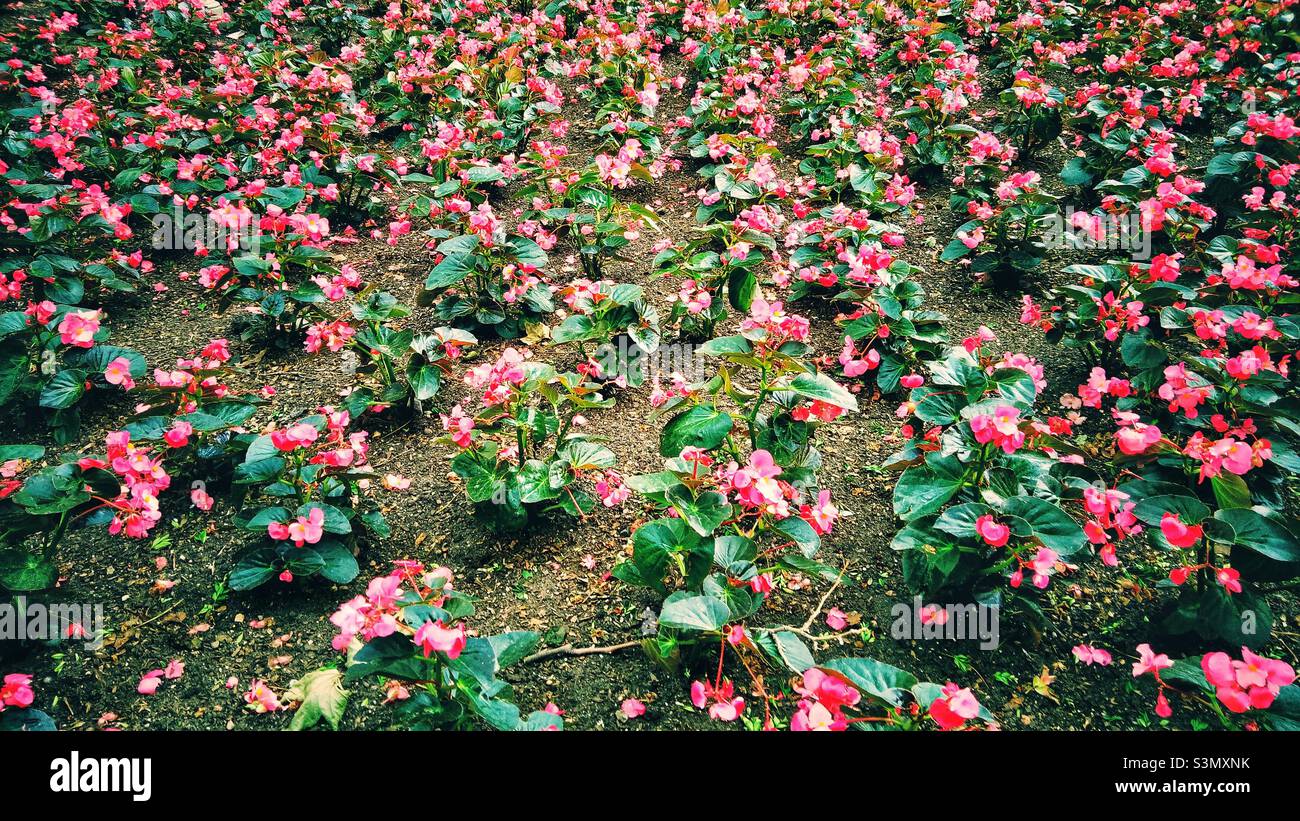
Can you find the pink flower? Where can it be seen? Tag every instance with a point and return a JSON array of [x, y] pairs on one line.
[[1092, 655], [836, 619], [1229, 578], [149, 683], [1162, 705], [296, 436], [394, 481], [1149, 661], [954, 707], [118, 372], [1002, 428], [1177, 533], [78, 328], [1253, 682], [825, 695], [1043, 565], [756, 483], [722, 703], [632, 708], [178, 435], [305, 530], [260, 698], [982, 334], [175, 669], [17, 691], [459, 426], [432, 636], [611, 489], [993, 533], [821, 516], [201, 499], [1135, 440]]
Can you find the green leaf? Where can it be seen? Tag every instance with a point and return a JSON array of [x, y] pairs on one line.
[[687, 611], [26, 721], [1076, 172], [64, 389], [802, 533], [1260, 534], [1053, 526], [701, 427], [582, 455], [12, 322], [1230, 490], [820, 386], [704, 512], [452, 269], [884, 681], [1153, 508], [648, 483], [926, 488], [321, 696], [340, 566], [534, 483], [654, 542], [741, 285], [793, 651], [719, 346], [959, 520], [261, 470], [513, 647], [23, 572], [573, 328], [480, 483], [26, 452], [425, 381], [254, 568], [483, 173]]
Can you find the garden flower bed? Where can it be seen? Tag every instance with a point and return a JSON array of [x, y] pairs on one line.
[[792, 365]]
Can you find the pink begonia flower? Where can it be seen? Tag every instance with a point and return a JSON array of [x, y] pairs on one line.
[[260, 698], [178, 435], [394, 481], [1229, 578], [632, 708], [1137, 438], [305, 530], [836, 619], [1177, 533], [17, 691], [1252, 682], [201, 499], [755, 483], [118, 372], [1092, 655], [294, 437], [991, 531], [432, 636], [1043, 565], [722, 702], [149, 683], [954, 707], [78, 328], [1149, 661]]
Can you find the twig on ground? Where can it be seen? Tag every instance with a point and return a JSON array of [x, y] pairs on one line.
[[805, 630], [813, 615], [570, 650]]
